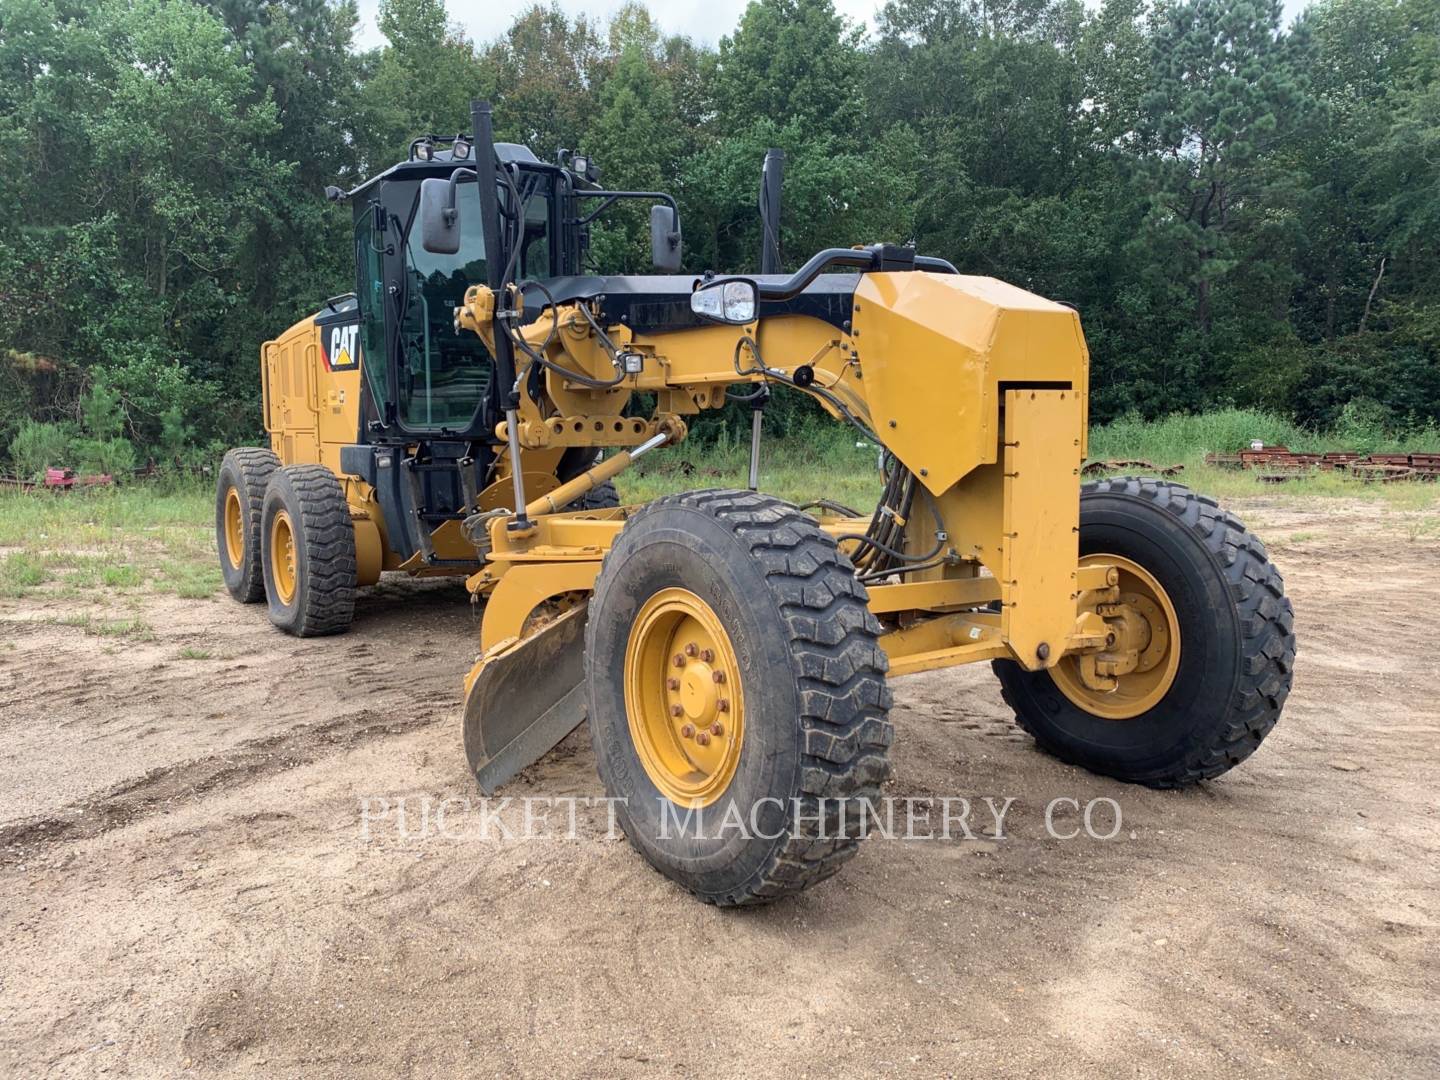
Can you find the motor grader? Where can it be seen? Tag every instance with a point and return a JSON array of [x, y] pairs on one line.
[[730, 651]]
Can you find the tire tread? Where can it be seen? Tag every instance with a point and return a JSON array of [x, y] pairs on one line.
[[1266, 627], [253, 466], [844, 699], [326, 530]]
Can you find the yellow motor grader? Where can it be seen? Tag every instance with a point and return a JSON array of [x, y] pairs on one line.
[[731, 651]]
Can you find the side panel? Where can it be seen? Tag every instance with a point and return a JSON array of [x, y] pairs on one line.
[[1041, 541], [312, 389], [938, 350], [290, 386], [338, 373]]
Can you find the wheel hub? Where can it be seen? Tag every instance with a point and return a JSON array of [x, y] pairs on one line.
[[697, 693], [234, 529], [683, 697], [1137, 666], [282, 557]]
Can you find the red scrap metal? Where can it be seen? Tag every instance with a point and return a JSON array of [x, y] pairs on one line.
[[59, 480], [1280, 463], [1098, 468], [66, 479]]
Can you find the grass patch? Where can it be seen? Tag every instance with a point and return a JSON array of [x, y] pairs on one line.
[[21, 571], [131, 629], [820, 462], [1185, 440], [121, 577], [189, 653], [191, 580], [1420, 528], [81, 519], [134, 629], [115, 541]]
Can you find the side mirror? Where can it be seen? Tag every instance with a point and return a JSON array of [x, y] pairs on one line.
[[733, 300], [664, 238], [439, 217]]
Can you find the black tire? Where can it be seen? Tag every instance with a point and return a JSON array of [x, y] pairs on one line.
[[323, 600], [245, 470], [601, 497], [816, 733], [1236, 632], [574, 462]]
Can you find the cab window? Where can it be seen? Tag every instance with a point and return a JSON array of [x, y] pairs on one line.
[[443, 375]]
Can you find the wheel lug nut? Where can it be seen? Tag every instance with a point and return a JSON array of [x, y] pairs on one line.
[[672, 684], [718, 676], [688, 731], [679, 660], [707, 655], [723, 705], [703, 738], [691, 649], [717, 729], [676, 710]]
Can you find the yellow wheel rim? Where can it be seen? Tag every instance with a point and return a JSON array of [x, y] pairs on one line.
[[683, 698], [234, 529], [1148, 628], [282, 557]]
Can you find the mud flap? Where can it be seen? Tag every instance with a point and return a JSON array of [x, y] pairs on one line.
[[523, 697]]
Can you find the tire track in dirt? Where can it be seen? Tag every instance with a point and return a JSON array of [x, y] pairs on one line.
[[160, 789]]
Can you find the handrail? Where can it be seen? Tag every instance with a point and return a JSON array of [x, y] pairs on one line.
[[874, 257]]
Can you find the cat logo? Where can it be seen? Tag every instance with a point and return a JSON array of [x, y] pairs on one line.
[[342, 350]]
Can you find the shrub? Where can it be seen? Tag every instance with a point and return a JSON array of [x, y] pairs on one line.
[[38, 446], [114, 456]]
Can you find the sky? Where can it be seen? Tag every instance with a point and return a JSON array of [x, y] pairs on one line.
[[706, 21]]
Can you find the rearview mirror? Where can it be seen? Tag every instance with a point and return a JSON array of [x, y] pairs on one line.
[[664, 238], [439, 217], [734, 301]]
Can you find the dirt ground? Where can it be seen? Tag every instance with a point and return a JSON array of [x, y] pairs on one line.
[[188, 885]]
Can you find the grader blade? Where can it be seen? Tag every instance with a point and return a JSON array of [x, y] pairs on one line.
[[523, 698]]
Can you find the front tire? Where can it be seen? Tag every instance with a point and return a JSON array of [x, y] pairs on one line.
[[308, 552], [239, 498], [731, 596], [1236, 644]]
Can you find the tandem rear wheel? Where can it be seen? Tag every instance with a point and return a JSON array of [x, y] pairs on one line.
[[307, 549], [239, 496]]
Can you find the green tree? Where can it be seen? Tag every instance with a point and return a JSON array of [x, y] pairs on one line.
[[790, 61], [545, 69], [638, 146]]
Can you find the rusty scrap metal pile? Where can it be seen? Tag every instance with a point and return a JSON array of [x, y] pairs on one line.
[[1278, 463]]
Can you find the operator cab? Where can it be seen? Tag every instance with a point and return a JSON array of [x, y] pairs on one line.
[[423, 380]]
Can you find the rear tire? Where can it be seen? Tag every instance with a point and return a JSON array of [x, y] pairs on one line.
[[810, 721], [600, 497], [577, 460], [308, 552], [1236, 651], [239, 498]]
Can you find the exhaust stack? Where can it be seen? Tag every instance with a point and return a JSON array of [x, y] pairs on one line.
[[772, 176]]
